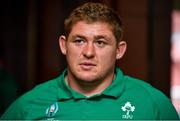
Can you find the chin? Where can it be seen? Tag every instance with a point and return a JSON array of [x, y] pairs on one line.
[[88, 78]]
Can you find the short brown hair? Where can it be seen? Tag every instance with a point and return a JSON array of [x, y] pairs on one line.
[[95, 12]]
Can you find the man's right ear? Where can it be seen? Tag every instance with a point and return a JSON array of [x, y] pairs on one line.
[[62, 44]]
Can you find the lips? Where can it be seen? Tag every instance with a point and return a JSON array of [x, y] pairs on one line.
[[87, 65]]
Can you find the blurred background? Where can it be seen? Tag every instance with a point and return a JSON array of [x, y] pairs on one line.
[[29, 51]]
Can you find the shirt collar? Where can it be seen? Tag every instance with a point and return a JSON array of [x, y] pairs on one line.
[[64, 91], [114, 90]]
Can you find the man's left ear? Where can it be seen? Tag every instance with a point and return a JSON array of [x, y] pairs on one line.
[[121, 49]]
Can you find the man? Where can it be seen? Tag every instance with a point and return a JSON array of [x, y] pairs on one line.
[[92, 87]]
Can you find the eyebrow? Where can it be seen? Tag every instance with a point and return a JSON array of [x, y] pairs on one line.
[[95, 37], [78, 36], [102, 37]]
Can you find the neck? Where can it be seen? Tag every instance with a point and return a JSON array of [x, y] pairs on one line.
[[89, 88]]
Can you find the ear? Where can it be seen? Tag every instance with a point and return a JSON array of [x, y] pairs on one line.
[[121, 49], [62, 44]]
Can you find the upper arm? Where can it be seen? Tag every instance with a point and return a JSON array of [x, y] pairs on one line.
[[15, 111], [165, 108]]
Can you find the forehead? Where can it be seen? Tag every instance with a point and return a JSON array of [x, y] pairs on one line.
[[94, 28]]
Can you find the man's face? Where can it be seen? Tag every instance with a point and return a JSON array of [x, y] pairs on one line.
[[91, 51]]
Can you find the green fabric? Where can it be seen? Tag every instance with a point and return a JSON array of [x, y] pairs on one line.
[[8, 89], [126, 98]]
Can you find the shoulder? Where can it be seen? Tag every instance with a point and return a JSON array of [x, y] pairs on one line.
[[145, 88], [161, 103], [40, 94], [41, 90]]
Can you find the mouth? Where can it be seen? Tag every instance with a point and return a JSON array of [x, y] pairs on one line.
[[87, 65]]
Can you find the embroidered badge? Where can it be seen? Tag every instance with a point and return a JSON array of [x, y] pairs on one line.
[[128, 108], [52, 110]]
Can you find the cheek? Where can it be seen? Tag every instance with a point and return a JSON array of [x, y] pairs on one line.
[[72, 53], [108, 57]]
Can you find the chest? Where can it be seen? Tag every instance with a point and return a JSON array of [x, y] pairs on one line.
[[99, 109]]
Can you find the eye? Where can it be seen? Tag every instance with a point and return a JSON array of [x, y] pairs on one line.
[[79, 41], [100, 43]]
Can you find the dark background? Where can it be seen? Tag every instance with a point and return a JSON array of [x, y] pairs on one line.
[[30, 30]]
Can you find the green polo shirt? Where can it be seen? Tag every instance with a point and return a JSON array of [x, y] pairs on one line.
[[125, 99]]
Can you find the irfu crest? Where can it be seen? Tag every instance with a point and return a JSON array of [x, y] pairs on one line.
[[128, 108]]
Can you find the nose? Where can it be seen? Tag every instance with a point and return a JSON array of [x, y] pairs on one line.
[[89, 50]]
